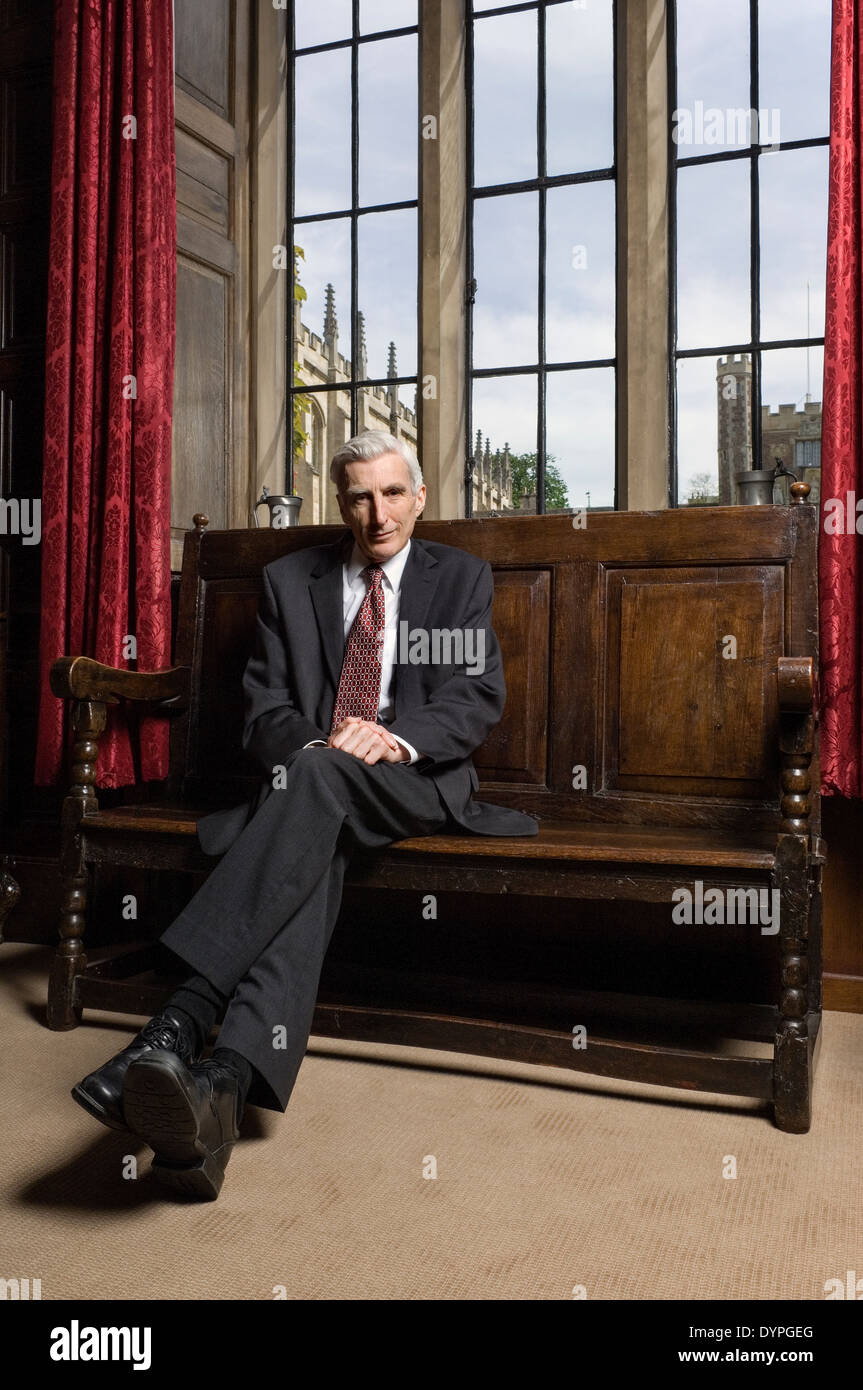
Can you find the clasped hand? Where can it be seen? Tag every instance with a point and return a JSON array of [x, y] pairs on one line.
[[367, 741]]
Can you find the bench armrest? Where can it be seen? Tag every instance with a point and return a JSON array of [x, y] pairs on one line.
[[797, 719], [82, 678], [796, 679]]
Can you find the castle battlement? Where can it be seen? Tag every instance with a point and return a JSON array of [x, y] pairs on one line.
[[789, 417]]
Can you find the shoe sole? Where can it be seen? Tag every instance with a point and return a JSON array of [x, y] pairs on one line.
[[160, 1110], [95, 1109]]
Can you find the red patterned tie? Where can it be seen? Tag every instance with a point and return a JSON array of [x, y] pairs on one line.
[[360, 682]]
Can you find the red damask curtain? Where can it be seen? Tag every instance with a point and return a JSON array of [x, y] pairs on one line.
[[840, 557], [109, 365]]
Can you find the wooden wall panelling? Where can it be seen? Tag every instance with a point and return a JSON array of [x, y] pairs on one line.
[[517, 750], [212, 441], [26, 44]]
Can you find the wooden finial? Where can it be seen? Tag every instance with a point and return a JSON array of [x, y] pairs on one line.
[[201, 522], [799, 491]]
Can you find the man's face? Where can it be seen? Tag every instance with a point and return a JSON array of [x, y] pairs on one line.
[[377, 503]]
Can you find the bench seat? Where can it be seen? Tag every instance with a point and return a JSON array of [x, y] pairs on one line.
[[574, 842]]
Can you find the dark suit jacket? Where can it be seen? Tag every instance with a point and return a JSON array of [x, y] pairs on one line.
[[291, 682]]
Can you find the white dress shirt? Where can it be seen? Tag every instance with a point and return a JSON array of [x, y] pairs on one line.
[[354, 589]]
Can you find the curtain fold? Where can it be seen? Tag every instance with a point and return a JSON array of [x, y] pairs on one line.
[[109, 367], [840, 559]]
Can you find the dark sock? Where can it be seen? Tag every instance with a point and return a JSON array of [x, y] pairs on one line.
[[199, 1001], [237, 1063]]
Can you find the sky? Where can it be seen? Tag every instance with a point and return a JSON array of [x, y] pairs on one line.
[[713, 210]]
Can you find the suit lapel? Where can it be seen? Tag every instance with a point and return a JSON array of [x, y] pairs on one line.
[[325, 589], [419, 582]]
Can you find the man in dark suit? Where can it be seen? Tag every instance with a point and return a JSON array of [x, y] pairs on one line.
[[376, 674]]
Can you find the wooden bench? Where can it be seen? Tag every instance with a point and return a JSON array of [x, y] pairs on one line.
[[660, 722]]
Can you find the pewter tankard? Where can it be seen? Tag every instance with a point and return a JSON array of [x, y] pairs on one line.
[[755, 485], [284, 509]]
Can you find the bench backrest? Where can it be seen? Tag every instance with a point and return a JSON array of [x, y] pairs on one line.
[[640, 656]]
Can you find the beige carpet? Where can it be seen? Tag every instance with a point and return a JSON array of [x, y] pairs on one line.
[[546, 1180]]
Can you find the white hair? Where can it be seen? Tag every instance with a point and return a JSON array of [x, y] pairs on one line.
[[373, 444]]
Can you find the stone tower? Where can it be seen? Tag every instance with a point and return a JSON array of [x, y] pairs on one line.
[[733, 422]]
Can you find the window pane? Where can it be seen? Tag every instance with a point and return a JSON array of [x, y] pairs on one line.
[[793, 188], [580, 438], [714, 437], [387, 248], [505, 269], [791, 382], [377, 15], [317, 23], [794, 60], [504, 421], [375, 411], [713, 303], [327, 260], [579, 87], [712, 76], [580, 272], [322, 133], [505, 99], [388, 88]]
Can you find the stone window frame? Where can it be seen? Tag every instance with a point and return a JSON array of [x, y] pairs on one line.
[[644, 445], [756, 345]]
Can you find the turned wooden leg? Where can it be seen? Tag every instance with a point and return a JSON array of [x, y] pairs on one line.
[[88, 721], [69, 959], [792, 1058], [792, 1069]]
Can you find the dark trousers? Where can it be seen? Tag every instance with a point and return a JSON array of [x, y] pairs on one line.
[[260, 925]]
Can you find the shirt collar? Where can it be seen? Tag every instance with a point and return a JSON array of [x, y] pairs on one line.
[[393, 568]]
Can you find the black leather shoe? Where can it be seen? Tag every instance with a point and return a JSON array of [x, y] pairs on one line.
[[101, 1093], [188, 1115]]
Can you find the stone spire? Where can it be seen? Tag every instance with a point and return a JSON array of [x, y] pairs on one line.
[[331, 327], [393, 391], [361, 361]]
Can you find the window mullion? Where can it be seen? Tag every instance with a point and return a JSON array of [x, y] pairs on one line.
[[755, 235]]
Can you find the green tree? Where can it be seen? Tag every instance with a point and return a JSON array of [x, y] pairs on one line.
[[701, 491], [302, 403], [524, 480]]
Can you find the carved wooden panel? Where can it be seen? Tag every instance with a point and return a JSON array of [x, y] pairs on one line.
[[28, 143], [516, 751], [23, 287], [26, 41], [203, 39], [201, 438], [690, 693], [203, 182], [211, 392]]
